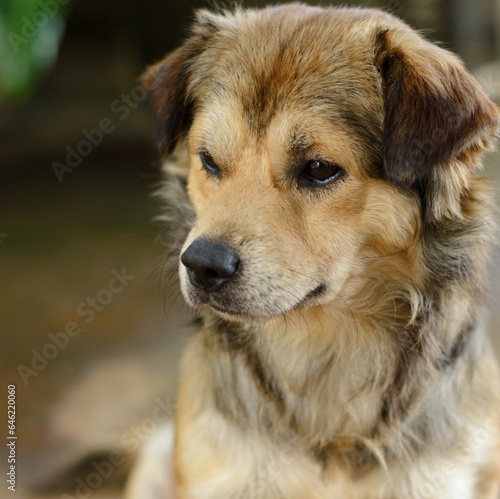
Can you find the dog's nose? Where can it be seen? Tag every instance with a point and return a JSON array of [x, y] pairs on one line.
[[209, 264]]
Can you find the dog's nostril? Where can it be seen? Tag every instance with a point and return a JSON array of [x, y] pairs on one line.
[[210, 264]]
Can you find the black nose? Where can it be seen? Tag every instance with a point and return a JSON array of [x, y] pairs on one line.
[[209, 264]]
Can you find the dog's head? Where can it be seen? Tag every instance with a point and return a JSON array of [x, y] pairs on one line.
[[318, 141]]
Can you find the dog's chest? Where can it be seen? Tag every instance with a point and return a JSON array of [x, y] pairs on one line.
[[291, 385]]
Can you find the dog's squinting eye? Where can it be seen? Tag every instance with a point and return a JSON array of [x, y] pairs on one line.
[[318, 172], [209, 164]]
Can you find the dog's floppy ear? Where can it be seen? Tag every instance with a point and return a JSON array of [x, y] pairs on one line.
[[434, 109], [167, 83]]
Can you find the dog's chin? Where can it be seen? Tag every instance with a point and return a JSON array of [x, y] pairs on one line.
[[235, 307]]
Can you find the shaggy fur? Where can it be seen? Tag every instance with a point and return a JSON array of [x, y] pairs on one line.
[[347, 356]]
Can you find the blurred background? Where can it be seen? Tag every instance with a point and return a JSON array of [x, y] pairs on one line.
[[92, 328]]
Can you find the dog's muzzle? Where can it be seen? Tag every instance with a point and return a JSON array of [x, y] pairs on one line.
[[210, 264]]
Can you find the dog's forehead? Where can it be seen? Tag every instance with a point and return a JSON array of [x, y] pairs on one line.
[[303, 61]]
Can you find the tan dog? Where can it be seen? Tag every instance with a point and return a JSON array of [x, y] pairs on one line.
[[337, 254]]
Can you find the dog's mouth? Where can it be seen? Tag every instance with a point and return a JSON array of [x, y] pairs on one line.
[[245, 308], [226, 310], [311, 296], [212, 276]]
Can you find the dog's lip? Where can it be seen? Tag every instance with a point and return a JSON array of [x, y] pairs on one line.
[[311, 295], [314, 293], [224, 310], [232, 314]]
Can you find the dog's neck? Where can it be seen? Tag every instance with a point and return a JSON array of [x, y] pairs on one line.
[[343, 363], [336, 367]]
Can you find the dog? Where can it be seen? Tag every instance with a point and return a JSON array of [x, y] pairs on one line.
[[323, 171]]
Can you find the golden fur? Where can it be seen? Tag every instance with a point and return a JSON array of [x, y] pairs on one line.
[[346, 357]]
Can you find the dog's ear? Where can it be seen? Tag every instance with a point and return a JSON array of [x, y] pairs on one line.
[[167, 83], [434, 109]]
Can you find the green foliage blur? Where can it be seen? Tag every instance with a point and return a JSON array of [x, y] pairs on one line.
[[30, 35]]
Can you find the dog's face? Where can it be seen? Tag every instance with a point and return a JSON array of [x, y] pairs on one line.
[[311, 135], [293, 202]]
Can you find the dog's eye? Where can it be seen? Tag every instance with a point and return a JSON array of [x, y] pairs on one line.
[[209, 164], [321, 173]]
